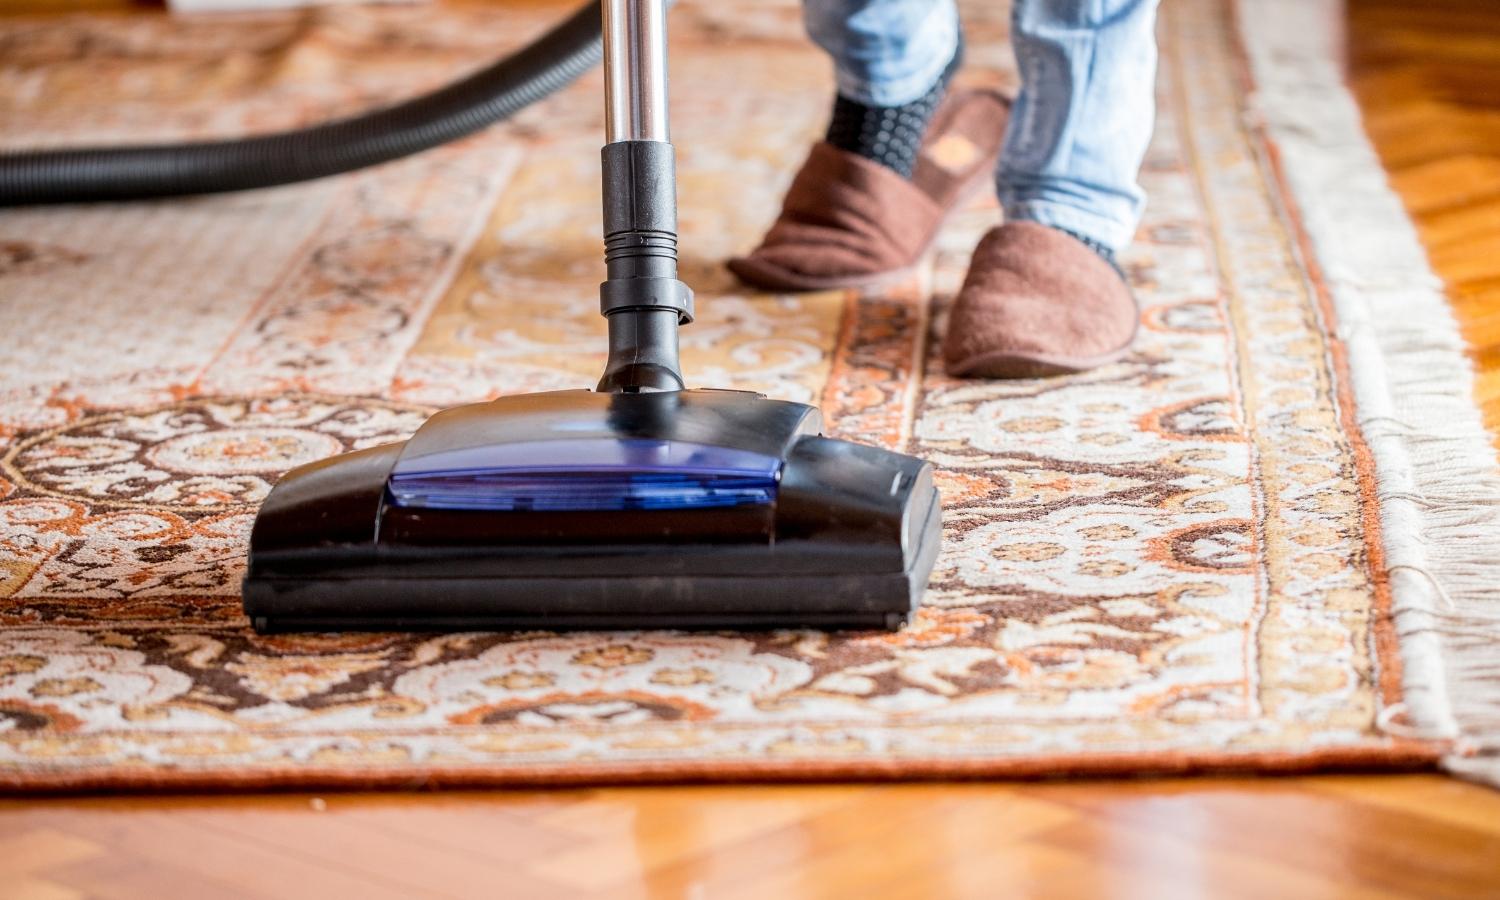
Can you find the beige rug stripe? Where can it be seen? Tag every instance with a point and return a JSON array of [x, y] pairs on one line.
[[328, 327], [522, 313]]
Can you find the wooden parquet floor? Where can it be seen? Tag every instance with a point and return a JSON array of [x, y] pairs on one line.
[[1347, 836], [1428, 77]]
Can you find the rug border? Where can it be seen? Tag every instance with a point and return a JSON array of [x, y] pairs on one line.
[[1438, 487], [1399, 755]]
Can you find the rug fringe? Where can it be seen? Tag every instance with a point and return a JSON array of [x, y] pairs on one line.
[[1439, 488]]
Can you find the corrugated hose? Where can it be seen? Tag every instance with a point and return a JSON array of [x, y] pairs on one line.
[[490, 95]]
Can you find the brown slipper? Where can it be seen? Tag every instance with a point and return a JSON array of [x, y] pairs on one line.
[[1037, 302], [850, 222]]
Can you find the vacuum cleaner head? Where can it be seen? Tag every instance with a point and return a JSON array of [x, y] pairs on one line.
[[576, 509]]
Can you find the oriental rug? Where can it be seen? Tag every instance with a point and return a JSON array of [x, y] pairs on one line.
[[1216, 554]]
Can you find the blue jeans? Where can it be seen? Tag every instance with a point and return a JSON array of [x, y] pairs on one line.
[[1084, 115]]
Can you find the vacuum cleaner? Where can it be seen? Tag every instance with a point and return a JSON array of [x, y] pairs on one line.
[[638, 504]]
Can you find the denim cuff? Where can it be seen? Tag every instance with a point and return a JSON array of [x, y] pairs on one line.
[[1111, 233], [874, 88]]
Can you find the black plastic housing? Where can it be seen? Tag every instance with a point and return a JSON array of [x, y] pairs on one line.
[[641, 295], [848, 542]]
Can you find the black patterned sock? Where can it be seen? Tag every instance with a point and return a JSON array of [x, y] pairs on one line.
[[889, 135]]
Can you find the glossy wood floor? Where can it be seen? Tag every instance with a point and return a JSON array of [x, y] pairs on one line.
[[1418, 836], [1428, 76]]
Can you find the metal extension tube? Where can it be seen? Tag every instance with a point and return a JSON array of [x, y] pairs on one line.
[[641, 298], [635, 71]]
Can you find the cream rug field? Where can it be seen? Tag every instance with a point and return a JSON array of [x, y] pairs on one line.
[[1263, 541]]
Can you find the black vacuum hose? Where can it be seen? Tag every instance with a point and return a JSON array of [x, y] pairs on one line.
[[162, 170]]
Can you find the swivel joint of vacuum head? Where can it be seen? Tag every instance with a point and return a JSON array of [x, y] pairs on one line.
[[641, 298]]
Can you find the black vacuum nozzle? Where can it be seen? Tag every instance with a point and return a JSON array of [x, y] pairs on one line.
[[577, 509]]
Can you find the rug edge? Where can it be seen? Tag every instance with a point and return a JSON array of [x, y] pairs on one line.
[[1398, 755], [1435, 466]]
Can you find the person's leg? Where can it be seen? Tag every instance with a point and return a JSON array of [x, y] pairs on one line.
[[1079, 127], [1043, 295], [901, 151], [892, 61], [884, 52]]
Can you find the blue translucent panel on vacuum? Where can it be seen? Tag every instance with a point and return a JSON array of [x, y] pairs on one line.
[[588, 474]]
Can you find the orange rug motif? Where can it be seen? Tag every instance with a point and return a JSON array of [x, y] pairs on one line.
[[1167, 564]]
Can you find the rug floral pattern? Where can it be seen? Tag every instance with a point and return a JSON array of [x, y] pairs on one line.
[[1165, 563]]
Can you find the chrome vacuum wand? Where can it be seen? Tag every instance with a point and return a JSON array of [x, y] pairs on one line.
[[641, 297]]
